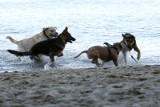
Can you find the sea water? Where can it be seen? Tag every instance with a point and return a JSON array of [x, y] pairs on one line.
[[91, 22]]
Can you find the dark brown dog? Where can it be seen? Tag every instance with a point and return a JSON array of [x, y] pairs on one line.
[[128, 43], [104, 53], [51, 47]]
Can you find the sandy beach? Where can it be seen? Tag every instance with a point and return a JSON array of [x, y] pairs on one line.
[[92, 87]]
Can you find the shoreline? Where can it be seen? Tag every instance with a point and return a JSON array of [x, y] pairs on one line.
[[90, 87]]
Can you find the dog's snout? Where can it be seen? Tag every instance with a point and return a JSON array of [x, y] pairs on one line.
[[73, 39], [129, 47], [56, 34]]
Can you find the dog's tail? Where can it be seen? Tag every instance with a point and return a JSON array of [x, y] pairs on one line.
[[17, 53], [80, 53], [12, 40]]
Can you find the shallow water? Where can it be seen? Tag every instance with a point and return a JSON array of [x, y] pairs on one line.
[[90, 22]]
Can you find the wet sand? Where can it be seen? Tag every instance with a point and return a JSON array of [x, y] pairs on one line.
[[92, 87]]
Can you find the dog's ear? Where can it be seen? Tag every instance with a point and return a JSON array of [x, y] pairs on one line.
[[65, 30], [123, 35], [45, 29], [55, 27], [133, 37]]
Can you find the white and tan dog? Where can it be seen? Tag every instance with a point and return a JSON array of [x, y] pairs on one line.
[[26, 44], [128, 43]]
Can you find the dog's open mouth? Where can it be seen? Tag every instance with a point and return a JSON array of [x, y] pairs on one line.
[[71, 40]]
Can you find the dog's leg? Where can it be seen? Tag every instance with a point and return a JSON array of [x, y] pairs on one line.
[[51, 56], [125, 57], [48, 66], [95, 61], [138, 51], [115, 62]]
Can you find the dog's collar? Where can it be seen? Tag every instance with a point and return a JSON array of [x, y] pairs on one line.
[[116, 50], [124, 43], [45, 34], [111, 46]]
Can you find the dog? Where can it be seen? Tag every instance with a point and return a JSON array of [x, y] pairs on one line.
[[128, 43], [106, 54], [26, 44], [51, 47]]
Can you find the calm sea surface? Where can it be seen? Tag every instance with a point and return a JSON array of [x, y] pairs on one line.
[[91, 22]]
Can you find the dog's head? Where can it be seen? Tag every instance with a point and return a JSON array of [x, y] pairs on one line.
[[66, 36], [50, 32], [129, 40], [117, 46]]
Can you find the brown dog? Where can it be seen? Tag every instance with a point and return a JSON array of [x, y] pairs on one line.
[[104, 53], [128, 43]]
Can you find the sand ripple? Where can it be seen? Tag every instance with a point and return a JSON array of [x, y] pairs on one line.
[[98, 87]]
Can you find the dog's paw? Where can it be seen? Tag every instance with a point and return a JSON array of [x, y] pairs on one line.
[[48, 66], [61, 54], [138, 57]]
